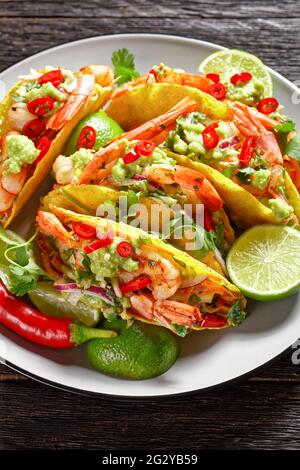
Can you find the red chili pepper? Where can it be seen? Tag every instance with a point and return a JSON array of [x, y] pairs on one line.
[[87, 138], [210, 136], [153, 73], [247, 151], [267, 105], [239, 78], [217, 90], [210, 320], [43, 146], [103, 240], [208, 221], [41, 106], [130, 157], [33, 128], [43, 329], [135, 284], [84, 231], [214, 77], [55, 77], [125, 249], [144, 147]]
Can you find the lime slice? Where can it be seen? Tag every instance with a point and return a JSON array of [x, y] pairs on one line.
[[265, 262], [106, 129], [51, 302], [231, 61]]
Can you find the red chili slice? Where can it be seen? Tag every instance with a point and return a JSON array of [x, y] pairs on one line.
[[130, 157], [217, 90], [214, 77], [153, 73], [135, 284], [267, 105], [87, 138], [210, 136], [102, 241], [240, 78], [41, 106], [84, 231], [55, 77], [247, 151], [33, 128], [208, 222], [144, 147], [43, 145], [125, 249], [210, 320]]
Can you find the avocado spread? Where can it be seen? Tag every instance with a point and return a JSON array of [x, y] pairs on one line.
[[20, 151], [280, 210]]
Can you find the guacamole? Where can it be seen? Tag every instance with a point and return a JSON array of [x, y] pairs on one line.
[[261, 178], [106, 262], [248, 93], [20, 151], [281, 210], [122, 171], [47, 89]]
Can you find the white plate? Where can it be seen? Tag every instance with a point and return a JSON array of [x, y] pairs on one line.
[[208, 359]]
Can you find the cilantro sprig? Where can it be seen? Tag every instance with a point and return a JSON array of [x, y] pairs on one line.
[[124, 66], [20, 272]]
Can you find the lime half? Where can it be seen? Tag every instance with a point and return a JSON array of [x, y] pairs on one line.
[[231, 61], [264, 263], [51, 302]]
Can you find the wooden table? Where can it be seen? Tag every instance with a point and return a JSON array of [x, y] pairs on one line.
[[263, 412]]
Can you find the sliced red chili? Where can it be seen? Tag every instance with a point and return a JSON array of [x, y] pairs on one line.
[[135, 284], [210, 136], [153, 73], [214, 77], [217, 90], [130, 157], [41, 106], [247, 151], [55, 77], [267, 105], [33, 128], [240, 78], [102, 241], [43, 145], [125, 249], [144, 147], [210, 320], [87, 138], [84, 231], [208, 221]]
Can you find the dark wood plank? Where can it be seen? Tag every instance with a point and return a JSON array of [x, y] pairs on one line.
[[254, 35], [144, 8], [251, 416]]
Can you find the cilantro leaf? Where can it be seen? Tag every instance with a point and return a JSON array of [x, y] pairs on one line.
[[236, 315], [285, 126], [292, 148], [180, 330], [244, 174], [282, 130], [20, 272], [124, 66]]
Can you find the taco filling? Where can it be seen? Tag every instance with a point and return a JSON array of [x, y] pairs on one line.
[[32, 115], [243, 149], [124, 271]]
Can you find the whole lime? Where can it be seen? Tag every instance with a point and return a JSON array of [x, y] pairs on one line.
[[140, 351], [106, 129]]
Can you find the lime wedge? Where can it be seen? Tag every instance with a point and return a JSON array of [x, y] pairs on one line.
[[264, 263], [231, 61], [51, 302]]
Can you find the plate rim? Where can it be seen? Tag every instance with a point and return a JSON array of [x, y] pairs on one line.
[[78, 391]]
